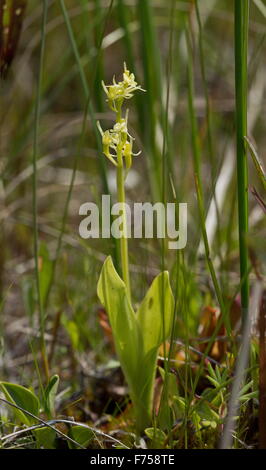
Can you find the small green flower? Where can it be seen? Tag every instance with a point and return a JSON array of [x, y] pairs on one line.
[[120, 128], [130, 84], [125, 89], [109, 141]]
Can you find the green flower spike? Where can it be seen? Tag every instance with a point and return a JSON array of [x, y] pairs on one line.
[[118, 138], [137, 334]]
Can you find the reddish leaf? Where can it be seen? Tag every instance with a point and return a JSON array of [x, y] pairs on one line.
[[209, 320]]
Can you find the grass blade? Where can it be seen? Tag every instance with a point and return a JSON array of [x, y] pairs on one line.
[[34, 189], [241, 48], [257, 162]]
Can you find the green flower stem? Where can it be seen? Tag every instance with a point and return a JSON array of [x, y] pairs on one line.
[[119, 112], [120, 181], [123, 240]]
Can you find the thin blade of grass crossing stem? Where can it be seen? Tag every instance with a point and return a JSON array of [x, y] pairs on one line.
[[164, 167], [261, 7], [241, 366], [257, 162], [258, 199]]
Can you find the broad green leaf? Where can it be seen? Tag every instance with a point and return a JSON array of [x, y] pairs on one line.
[[23, 398], [112, 293], [81, 435], [143, 388], [138, 335], [155, 314], [45, 438], [50, 395]]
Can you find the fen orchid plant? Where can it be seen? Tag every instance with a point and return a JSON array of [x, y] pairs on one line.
[[137, 334]]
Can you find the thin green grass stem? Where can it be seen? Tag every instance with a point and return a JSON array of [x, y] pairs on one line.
[[241, 49], [164, 168], [34, 190]]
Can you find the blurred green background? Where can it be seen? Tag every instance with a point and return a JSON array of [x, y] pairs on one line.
[[87, 41]]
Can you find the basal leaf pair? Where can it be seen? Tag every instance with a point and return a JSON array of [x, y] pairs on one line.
[[137, 335]]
